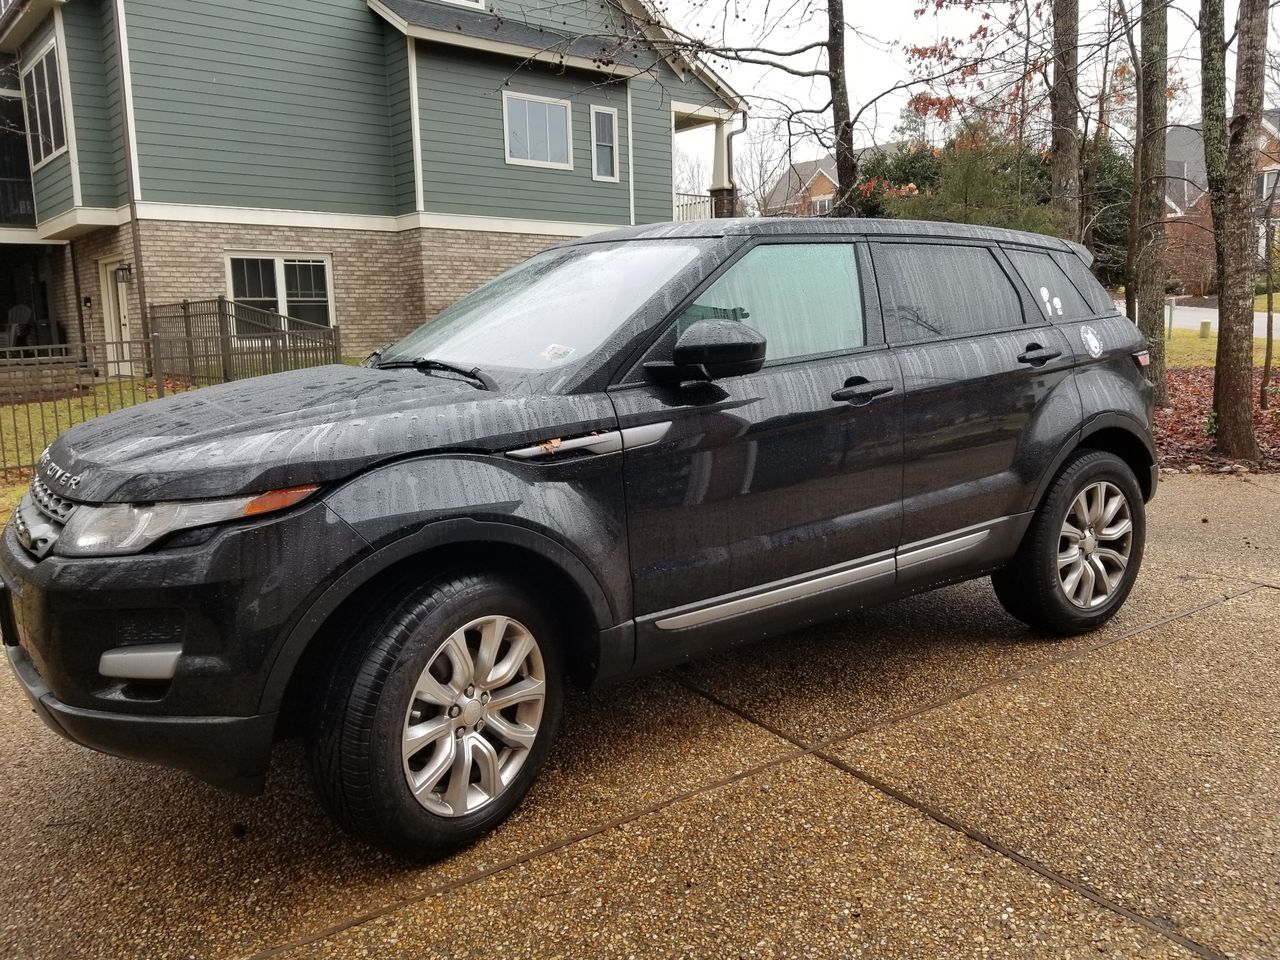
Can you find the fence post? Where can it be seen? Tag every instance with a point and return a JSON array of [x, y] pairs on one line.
[[187, 332], [224, 335], [337, 344], [156, 368], [277, 351]]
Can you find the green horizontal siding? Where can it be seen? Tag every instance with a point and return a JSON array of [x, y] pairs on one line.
[[400, 115], [464, 161], [652, 149], [96, 102], [280, 103], [52, 185]]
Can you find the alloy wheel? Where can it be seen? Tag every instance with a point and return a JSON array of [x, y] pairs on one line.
[[474, 716], [1095, 545]]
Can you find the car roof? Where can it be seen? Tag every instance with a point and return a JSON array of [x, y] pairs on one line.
[[816, 226]]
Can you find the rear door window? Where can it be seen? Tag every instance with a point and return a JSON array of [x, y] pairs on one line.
[[804, 297], [1053, 291], [937, 290]]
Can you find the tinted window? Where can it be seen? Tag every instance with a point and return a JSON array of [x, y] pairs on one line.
[[1086, 282], [804, 298], [936, 290], [1056, 295]]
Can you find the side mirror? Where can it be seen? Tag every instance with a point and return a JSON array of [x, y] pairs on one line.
[[711, 349]]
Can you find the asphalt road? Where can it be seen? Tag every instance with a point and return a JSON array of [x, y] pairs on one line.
[[926, 780]]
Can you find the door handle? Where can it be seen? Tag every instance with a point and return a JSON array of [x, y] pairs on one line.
[[860, 391], [1037, 355]]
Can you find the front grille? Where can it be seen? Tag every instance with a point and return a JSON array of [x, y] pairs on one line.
[[49, 503]]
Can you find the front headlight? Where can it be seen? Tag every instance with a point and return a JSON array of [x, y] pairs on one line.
[[117, 529]]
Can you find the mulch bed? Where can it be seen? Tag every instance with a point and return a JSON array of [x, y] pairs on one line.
[[1180, 430]]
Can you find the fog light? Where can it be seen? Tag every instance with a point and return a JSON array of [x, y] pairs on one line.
[[148, 661]]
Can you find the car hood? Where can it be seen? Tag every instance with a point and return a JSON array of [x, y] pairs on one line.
[[305, 426]]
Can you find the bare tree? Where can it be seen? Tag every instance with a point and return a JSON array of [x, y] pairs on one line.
[[761, 159], [692, 173], [1231, 158], [1149, 176], [1064, 99]]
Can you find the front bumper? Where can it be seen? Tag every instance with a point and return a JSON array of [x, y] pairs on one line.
[[229, 752], [227, 602]]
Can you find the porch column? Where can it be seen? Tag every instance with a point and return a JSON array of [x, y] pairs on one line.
[[723, 194]]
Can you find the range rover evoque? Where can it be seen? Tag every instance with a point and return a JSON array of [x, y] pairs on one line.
[[625, 452]]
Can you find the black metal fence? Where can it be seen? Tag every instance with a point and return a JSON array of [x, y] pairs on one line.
[[45, 390]]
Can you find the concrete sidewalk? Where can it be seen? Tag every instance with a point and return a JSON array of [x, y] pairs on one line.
[[925, 779]]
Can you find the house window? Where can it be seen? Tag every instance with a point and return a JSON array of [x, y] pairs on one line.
[[821, 206], [536, 131], [297, 287], [42, 93], [604, 143], [1265, 183]]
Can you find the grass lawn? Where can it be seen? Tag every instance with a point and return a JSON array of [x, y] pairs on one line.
[[1260, 303], [1186, 349]]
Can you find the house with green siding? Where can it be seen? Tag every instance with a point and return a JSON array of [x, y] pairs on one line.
[[352, 162]]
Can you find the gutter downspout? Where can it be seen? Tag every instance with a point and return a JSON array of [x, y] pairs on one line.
[[126, 114]]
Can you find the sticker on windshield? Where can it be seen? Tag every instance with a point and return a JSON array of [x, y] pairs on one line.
[[556, 353], [1091, 341]]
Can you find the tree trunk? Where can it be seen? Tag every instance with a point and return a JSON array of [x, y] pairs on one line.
[[1235, 214], [1150, 185], [1213, 116], [1271, 285], [1065, 109], [842, 121]]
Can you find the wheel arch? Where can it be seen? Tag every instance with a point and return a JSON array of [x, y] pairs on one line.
[[1114, 433], [462, 544]]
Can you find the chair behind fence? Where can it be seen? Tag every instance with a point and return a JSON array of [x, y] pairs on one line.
[[45, 390]]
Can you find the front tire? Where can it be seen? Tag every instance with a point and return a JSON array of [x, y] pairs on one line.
[[434, 721], [1082, 552]]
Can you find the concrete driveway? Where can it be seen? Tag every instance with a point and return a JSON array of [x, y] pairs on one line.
[[923, 780]]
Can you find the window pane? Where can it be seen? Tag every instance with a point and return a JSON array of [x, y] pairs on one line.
[[306, 291], [57, 133], [804, 298], [254, 281], [933, 290], [537, 130], [1085, 282], [1049, 285], [518, 128], [604, 128], [33, 117], [604, 161], [557, 132]]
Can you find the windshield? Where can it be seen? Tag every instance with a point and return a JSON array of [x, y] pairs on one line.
[[550, 312]]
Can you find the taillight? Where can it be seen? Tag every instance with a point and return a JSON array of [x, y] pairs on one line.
[[1142, 358]]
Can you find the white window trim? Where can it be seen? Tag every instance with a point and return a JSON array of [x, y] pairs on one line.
[[507, 95], [617, 164], [473, 4], [280, 258], [36, 60]]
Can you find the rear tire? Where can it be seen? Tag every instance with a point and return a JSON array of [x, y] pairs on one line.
[[434, 721], [1082, 552]]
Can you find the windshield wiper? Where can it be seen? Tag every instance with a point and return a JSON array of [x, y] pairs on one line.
[[481, 379]]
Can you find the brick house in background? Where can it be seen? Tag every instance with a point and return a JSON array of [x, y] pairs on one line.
[[1189, 223], [808, 188], [362, 162]]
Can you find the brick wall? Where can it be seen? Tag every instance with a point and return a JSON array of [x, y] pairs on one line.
[[384, 284], [100, 246]]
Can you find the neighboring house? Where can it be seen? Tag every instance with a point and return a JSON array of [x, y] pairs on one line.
[[1189, 222], [808, 188], [362, 162]]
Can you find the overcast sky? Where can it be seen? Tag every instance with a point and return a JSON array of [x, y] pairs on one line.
[[878, 63]]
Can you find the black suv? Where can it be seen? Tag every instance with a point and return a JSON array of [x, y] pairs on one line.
[[625, 452]]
